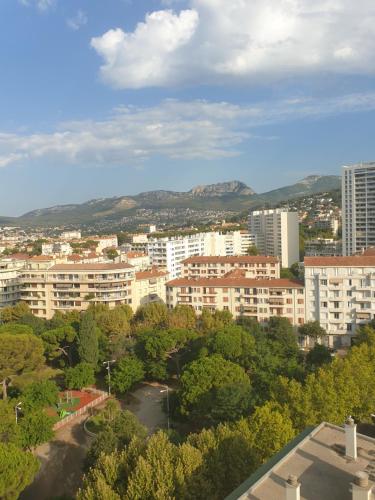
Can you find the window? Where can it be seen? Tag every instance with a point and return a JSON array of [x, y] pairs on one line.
[[323, 282]]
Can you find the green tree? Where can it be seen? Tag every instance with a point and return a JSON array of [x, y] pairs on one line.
[[319, 355], [182, 316], [82, 375], [312, 330], [16, 329], [151, 315], [234, 344], [215, 321], [14, 313], [9, 430], [88, 349], [17, 470], [36, 428], [40, 394], [127, 372], [252, 250], [112, 253], [19, 354], [59, 342], [202, 384]]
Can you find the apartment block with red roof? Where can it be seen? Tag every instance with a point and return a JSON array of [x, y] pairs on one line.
[[259, 299]]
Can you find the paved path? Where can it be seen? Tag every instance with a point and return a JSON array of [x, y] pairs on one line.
[[61, 463], [62, 459]]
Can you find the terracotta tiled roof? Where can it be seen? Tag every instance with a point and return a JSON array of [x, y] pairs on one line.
[[369, 251], [18, 256], [90, 267], [75, 257], [42, 258], [236, 282], [232, 259], [352, 261], [133, 255], [153, 273]]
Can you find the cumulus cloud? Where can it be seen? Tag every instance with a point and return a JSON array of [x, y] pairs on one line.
[[214, 41], [174, 129], [79, 20]]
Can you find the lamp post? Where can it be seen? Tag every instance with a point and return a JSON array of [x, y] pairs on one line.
[[108, 367], [17, 408], [167, 391]]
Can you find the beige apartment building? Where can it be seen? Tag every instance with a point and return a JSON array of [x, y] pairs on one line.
[[340, 294], [60, 287], [259, 299], [257, 266], [149, 286]]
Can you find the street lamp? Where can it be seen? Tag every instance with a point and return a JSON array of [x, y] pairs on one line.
[[167, 391], [108, 367], [17, 408]]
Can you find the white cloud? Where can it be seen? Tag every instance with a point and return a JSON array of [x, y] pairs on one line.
[[79, 20], [41, 5], [174, 129], [214, 41]]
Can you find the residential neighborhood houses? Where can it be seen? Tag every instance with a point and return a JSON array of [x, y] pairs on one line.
[[209, 270]]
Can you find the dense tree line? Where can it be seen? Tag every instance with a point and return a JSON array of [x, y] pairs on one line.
[[241, 391]]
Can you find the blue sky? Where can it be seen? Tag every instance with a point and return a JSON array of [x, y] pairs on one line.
[[113, 97]]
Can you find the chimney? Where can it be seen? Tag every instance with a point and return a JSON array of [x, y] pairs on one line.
[[292, 488], [350, 439], [361, 489]]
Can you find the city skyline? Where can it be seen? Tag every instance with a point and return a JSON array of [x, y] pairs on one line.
[[111, 99]]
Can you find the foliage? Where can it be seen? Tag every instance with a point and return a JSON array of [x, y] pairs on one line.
[[82, 375], [16, 329], [36, 428], [152, 315], [58, 342], [234, 344], [17, 470], [214, 321], [127, 372], [14, 313], [19, 354], [9, 431], [313, 330], [40, 394], [88, 350], [252, 250], [318, 356], [182, 316], [212, 388], [116, 434]]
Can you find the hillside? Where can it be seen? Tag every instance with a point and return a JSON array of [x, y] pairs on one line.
[[232, 196]]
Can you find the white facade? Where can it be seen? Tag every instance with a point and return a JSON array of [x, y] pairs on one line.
[[276, 233], [358, 207], [169, 252], [340, 294], [10, 283], [57, 247], [71, 235]]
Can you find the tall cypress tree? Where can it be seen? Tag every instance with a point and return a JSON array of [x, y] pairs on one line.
[[88, 348]]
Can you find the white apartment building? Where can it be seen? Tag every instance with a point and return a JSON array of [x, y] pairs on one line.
[[71, 235], [358, 207], [254, 266], [105, 242], [56, 247], [340, 294], [276, 233], [259, 299], [10, 283], [169, 252]]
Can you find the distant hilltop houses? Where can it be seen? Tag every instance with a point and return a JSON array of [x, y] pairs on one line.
[[307, 260]]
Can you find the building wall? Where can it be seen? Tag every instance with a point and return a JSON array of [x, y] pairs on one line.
[[149, 286], [256, 299], [358, 207], [215, 266], [276, 233], [67, 287], [341, 297], [10, 284]]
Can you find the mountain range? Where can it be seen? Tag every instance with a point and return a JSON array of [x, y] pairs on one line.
[[232, 195]]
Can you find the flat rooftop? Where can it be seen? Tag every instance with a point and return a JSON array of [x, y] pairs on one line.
[[317, 459]]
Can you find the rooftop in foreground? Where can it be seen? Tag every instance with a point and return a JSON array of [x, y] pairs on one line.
[[317, 458]]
